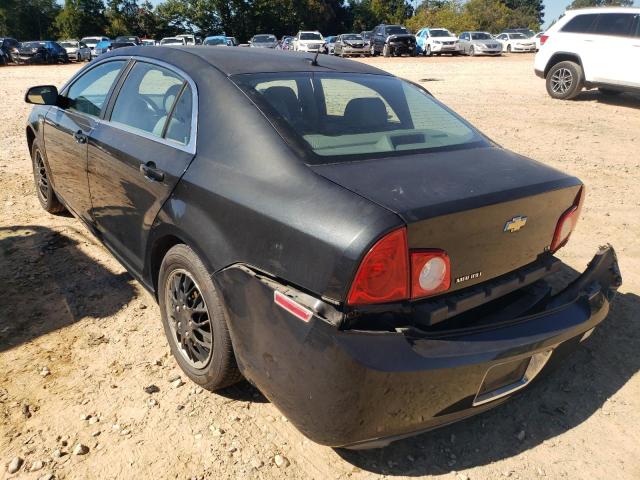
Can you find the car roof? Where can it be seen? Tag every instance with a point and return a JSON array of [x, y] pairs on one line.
[[577, 11], [235, 61]]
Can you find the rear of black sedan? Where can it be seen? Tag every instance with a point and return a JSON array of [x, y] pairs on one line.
[[360, 253]]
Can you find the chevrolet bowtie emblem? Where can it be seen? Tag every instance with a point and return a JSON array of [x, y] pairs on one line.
[[515, 224]]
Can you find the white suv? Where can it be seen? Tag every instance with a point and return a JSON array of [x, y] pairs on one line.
[[308, 42], [591, 47]]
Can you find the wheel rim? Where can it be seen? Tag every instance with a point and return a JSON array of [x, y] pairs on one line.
[[561, 80], [42, 181], [189, 318]]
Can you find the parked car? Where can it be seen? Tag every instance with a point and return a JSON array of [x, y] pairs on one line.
[[349, 44], [44, 51], [128, 39], [174, 41], [148, 42], [306, 41], [328, 45], [591, 48], [263, 41], [234, 41], [479, 43], [516, 42], [527, 32], [8, 49], [77, 51], [101, 47], [366, 35], [436, 41], [216, 40], [190, 39], [285, 43], [397, 305], [392, 40], [91, 42]]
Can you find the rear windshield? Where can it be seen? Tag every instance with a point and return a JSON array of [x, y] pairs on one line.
[[333, 117]]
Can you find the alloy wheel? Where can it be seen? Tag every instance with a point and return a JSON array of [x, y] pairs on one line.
[[561, 80], [42, 181], [189, 318]]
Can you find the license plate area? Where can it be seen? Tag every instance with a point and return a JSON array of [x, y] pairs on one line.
[[508, 377]]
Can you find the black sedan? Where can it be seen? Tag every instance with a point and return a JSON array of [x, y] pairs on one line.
[[334, 234], [42, 52]]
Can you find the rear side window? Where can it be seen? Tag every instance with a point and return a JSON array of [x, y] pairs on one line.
[[147, 98], [89, 92], [580, 24], [615, 24], [178, 128]]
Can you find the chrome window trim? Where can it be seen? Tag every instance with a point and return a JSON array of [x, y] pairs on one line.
[[189, 147]]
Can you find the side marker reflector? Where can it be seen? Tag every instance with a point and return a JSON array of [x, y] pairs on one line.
[[291, 306]]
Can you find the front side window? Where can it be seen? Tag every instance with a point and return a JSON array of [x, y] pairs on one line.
[[147, 98], [337, 117], [615, 24], [89, 92]]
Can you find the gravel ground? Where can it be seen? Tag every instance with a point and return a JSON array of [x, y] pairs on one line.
[[80, 339]]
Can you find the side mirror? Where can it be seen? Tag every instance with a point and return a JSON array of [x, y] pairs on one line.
[[42, 95]]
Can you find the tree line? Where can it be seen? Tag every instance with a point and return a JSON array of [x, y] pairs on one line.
[[48, 19]]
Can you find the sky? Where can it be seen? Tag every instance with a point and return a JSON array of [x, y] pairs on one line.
[[552, 8]]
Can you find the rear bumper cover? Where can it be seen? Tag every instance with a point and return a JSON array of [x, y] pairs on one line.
[[364, 389]]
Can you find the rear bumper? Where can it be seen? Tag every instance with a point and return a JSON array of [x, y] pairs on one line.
[[365, 389]]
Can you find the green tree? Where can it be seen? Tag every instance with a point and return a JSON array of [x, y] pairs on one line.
[[80, 18], [28, 19], [526, 9], [487, 15], [122, 17]]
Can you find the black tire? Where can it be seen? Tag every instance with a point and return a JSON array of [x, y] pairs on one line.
[[608, 92], [385, 51], [564, 80], [42, 180], [219, 369]]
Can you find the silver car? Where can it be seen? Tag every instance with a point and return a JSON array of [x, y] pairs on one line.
[[350, 44], [479, 43], [77, 51]]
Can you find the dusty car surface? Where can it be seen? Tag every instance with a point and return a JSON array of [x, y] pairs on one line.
[[370, 261]]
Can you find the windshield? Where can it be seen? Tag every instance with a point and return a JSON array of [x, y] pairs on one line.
[[518, 36], [172, 41], [90, 41], [310, 36], [264, 39], [440, 33], [69, 44], [215, 41], [366, 35], [33, 44], [347, 115], [480, 36], [351, 37], [395, 30]]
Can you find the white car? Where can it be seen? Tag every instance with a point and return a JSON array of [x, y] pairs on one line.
[[516, 42], [308, 41], [591, 48], [435, 41], [91, 42], [173, 41]]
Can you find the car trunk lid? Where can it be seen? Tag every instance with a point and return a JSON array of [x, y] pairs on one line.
[[491, 210]]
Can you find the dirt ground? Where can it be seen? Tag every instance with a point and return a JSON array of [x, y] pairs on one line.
[[80, 339]]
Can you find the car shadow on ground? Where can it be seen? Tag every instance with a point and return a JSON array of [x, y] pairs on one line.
[[47, 283], [560, 401], [630, 100]]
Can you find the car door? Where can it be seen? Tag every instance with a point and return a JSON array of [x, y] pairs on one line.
[[68, 127], [138, 154], [612, 51], [463, 41], [379, 38]]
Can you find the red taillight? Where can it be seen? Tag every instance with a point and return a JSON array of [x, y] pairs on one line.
[[383, 275], [543, 38], [567, 223], [390, 273], [430, 273]]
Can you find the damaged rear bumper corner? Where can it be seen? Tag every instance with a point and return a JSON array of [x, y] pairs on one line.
[[364, 389]]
